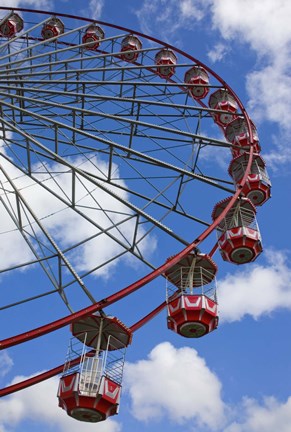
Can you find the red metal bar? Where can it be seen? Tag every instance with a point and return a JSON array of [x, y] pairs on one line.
[[148, 317], [31, 381], [38, 378]]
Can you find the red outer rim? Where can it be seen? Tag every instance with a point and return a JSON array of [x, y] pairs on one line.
[[55, 325]]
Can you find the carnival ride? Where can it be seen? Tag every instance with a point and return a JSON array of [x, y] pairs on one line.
[[108, 147]]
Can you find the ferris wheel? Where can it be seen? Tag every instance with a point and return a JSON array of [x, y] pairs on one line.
[[113, 153]]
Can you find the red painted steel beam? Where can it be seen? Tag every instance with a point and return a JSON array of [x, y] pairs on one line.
[[148, 317], [38, 378]]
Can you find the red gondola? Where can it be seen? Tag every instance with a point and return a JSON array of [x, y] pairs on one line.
[[239, 238], [257, 187], [10, 25], [90, 386], [237, 133], [223, 100], [130, 47], [197, 76], [93, 34], [191, 296], [166, 61], [52, 28]]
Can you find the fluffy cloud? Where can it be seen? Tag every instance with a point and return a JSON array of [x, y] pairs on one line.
[[39, 404], [270, 17], [172, 383], [61, 221], [177, 384], [273, 84], [256, 290], [269, 416]]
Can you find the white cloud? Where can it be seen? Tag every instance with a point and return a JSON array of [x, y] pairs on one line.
[[269, 416], [6, 363], [257, 290], [95, 8], [217, 52], [61, 222], [191, 9], [273, 84], [39, 404], [280, 155], [265, 26], [176, 384]]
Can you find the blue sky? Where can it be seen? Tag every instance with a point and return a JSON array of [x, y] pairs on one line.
[[238, 378]]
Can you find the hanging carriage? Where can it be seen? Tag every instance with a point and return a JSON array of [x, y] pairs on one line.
[[225, 104], [257, 187], [130, 47], [93, 36], [191, 296], [197, 76], [239, 238], [166, 61], [237, 133], [52, 28], [90, 387], [10, 25]]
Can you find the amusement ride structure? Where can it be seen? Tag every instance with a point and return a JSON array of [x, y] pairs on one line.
[[109, 146]]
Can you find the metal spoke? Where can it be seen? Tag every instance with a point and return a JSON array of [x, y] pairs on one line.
[[142, 156]]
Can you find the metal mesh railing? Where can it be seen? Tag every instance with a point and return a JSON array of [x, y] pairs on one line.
[[186, 281], [91, 374], [92, 366], [114, 362], [76, 350], [239, 170], [238, 217]]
